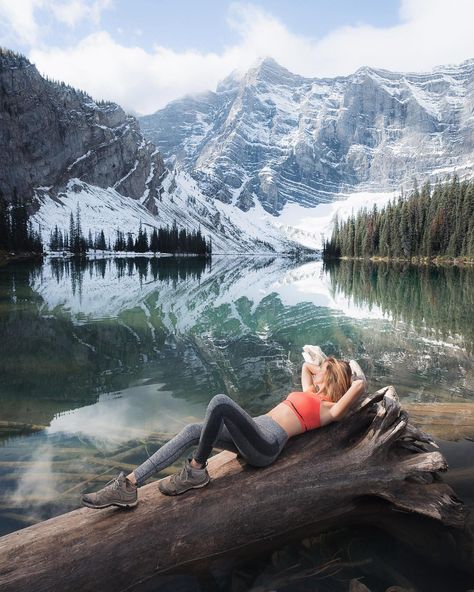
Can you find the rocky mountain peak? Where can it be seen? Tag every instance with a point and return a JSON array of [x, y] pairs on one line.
[[268, 71]]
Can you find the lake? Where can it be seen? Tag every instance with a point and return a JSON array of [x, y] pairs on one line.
[[103, 361]]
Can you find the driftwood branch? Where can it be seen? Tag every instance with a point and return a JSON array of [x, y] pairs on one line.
[[317, 482]]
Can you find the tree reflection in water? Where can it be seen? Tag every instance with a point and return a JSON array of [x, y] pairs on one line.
[[436, 300]]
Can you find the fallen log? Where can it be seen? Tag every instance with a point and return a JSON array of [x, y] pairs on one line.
[[318, 480]]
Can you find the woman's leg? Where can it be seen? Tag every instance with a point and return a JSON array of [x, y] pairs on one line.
[[257, 444], [226, 426], [259, 440], [167, 454]]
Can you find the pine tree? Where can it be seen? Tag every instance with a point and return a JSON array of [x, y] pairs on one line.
[[100, 243], [154, 242], [5, 237], [435, 221], [141, 244], [72, 233]]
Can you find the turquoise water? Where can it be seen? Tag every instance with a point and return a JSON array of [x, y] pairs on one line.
[[101, 362]]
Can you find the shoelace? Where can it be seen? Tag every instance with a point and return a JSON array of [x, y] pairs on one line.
[[112, 484], [183, 474]]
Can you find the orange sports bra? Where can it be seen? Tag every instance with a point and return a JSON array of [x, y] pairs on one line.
[[307, 408]]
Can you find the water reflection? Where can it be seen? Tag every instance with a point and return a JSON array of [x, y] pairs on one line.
[[436, 300], [164, 269], [87, 440], [112, 357], [127, 415]]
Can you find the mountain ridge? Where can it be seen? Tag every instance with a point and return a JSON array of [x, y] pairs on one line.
[[235, 157], [278, 137]]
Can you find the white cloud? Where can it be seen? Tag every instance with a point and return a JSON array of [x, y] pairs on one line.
[[18, 21], [430, 33], [74, 11], [136, 79], [18, 18]]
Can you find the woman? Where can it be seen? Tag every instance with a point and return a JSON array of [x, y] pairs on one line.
[[330, 387]]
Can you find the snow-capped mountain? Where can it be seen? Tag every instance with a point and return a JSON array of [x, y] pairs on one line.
[[62, 148], [274, 137], [261, 165]]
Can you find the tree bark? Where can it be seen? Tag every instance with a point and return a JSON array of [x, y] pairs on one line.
[[317, 481]]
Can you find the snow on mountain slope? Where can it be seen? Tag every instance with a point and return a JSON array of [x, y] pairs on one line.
[[299, 223], [229, 228]]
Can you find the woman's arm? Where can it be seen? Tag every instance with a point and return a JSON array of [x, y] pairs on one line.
[[307, 371], [339, 409]]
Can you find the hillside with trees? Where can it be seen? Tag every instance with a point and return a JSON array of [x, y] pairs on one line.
[[437, 221]]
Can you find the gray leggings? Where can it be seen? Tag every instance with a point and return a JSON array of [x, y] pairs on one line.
[[226, 426]]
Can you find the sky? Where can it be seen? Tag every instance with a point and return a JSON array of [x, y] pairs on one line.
[[146, 53]]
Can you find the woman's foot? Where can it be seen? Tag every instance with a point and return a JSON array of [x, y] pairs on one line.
[[188, 478], [118, 492]]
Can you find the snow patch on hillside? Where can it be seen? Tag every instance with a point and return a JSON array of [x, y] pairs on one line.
[[309, 225]]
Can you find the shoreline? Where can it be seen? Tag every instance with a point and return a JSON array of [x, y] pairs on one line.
[[420, 261], [6, 257]]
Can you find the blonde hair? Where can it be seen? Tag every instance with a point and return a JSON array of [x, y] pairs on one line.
[[337, 378]]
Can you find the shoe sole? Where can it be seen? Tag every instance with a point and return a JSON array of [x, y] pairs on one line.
[[118, 505], [185, 490]]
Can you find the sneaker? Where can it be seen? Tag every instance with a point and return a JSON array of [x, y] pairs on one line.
[[187, 478], [118, 492]]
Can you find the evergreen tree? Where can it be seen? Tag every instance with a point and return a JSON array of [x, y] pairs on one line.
[[72, 232], [100, 243], [141, 244], [4, 225], [154, 242]]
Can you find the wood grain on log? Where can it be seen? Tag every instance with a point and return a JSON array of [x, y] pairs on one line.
[[318, 480]]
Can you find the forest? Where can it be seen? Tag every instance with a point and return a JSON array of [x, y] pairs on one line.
[[164, 240], [437, 221]]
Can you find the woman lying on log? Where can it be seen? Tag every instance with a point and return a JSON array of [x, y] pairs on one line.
[[330, 388]]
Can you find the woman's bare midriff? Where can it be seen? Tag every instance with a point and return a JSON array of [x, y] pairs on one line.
[[287, 419]]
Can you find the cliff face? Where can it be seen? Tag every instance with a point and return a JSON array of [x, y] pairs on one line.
[[279, 137], [50, 133]]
